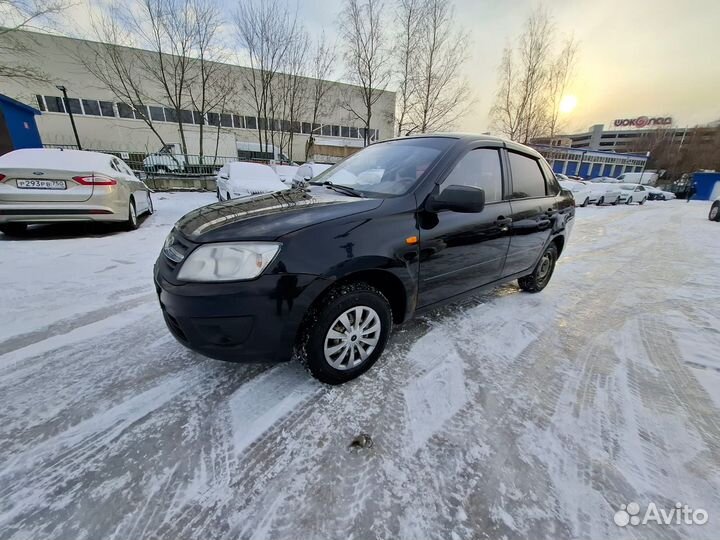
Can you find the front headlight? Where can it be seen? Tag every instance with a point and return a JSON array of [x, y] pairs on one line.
[[228, 261]]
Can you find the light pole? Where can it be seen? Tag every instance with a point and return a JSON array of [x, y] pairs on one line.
[[72, 119]]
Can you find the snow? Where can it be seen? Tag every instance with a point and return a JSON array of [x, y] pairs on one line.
[[56, 159], [508, 415]]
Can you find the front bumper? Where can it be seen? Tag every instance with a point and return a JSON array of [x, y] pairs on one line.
[[248, 321]]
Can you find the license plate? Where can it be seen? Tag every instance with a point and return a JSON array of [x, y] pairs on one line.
[[41, 184]]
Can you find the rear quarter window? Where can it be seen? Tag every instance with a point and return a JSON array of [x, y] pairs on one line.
[[528, 180]]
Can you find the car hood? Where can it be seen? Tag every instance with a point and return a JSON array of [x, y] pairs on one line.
[[269, 216]]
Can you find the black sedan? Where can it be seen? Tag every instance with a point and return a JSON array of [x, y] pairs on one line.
[[323, 273]]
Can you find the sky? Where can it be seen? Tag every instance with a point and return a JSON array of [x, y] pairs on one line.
[[637, 57]]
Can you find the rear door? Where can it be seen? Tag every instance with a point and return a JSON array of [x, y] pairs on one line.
[[462, 251], [534, 206]]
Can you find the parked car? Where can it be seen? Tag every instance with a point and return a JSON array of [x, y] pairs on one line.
[[562, 177], [630, 193], [324, 274], [242, 179], [714, 214], [307, 172], [604, 193], [657, 194], [645, 177], [581, 192], [46, 185]]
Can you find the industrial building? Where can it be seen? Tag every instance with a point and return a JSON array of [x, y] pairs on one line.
[[106, 123], [590, 163]]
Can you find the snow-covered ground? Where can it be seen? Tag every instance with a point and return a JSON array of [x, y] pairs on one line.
[[511, 415]]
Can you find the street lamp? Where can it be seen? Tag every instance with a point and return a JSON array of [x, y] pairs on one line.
[[72, 119]]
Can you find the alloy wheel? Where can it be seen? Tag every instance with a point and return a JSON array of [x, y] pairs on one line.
[[352, 337]]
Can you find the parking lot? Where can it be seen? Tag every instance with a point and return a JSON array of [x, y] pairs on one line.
[[510, 415]]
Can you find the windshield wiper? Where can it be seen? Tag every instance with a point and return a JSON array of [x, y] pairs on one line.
[[347, 190]]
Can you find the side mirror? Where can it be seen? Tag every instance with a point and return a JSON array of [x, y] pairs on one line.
[[465, 199], [307, 178]]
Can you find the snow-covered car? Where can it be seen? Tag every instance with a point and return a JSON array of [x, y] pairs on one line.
[[714, 214], [580, 191], [242, 179], [633, 193], [307, 172], [603, 193], [47, 185], [286, 173], [561, 177]]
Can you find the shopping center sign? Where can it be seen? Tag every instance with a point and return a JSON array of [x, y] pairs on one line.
[[644, 121]]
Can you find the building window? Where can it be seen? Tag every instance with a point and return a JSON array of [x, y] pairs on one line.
[[238, 121], [345, 131], [336, 131], [250, 122], [171, 115], [226, 120], [316, 129], [198, 118], [125, 111], [306, 128], [157, 114], [353, 132], [40, 102], [91, 107], [186, 116], [54, 104], [326, 130], [213, 119], [75, 106], [106, 108]]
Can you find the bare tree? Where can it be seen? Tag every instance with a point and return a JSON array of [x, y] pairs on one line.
[[366, 58], [408, 19], [264, 31], [18, 15], [521, 106], [441, 93], [293, 91], [113, 60], [321, 68], [559, 76]]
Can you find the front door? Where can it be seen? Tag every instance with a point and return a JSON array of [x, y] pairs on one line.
[[461, 251], [534, 207]]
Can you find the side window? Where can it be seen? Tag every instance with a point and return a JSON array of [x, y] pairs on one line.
[[478, 168], [528, 180]]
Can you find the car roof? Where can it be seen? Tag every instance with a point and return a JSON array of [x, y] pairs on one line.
[[57, 159], [473, 138]]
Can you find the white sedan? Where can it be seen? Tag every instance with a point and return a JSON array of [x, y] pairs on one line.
[[307, 172], [242, 179], [604, 193], [630, 193], [580, 191]]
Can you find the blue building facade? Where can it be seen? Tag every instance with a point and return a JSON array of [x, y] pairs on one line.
[[18, 128], [590, 163]]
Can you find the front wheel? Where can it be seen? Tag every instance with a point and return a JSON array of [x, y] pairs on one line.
[[629, 201], [714, 214], [345, 334], [540, 277], [601, 201], [642, 202], [617, 201], [151, 208], [585, 202]]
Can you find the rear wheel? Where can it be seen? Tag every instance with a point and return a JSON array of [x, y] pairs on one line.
[[629, 201], [540, 277], [151, 208], [617, 201], [345, 334], [642, 202], [227, 196], [601, 201], [585, 202], [132, 222], [13, 229], [714, 214]]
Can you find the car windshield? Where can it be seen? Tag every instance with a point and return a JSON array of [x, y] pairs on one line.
[[390, 168]]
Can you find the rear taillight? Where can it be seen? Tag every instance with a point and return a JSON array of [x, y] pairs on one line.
[[2, 177], [95, 180]]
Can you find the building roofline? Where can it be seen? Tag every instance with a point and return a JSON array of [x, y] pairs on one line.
[[18, 104], [587, 150]]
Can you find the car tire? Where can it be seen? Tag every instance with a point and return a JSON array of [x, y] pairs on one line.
[[714, 214], [585, 202], [617, 201], [601, 201], [642, 202], [151, 208], [540, 277], [323, 331], [217, 194], [629, 200], [132, 222], [227, 196], [13, 229]]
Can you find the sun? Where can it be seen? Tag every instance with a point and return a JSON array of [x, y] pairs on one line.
[[568, 104]]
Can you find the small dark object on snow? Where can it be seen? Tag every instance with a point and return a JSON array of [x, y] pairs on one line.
[[362, 441]]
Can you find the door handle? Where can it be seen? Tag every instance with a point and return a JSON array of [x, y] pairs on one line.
[[503, 223]]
